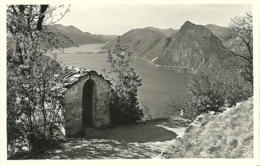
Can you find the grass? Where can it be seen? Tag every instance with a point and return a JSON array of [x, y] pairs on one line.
[[226, 135]]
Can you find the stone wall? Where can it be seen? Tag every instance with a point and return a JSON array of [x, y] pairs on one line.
[[100, 104]]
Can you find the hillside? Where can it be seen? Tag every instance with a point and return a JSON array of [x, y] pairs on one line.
[[193, 47], [144, 43], [104, 38], [219, 31], [108, 38], [77, 36], [226, 135], [167, 32]]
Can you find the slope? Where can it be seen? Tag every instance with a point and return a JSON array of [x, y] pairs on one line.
[[219, 31], [225, 135], [144, 43], [76, 35], [167, 32]]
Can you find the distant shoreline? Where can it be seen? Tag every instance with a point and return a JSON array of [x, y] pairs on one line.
[[178, 69]]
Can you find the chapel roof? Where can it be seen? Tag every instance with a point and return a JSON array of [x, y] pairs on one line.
[[71, 75]]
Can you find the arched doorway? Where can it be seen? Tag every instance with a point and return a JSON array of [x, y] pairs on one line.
[[88, 100]]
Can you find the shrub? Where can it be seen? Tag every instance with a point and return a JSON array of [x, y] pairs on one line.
[[211, 91]]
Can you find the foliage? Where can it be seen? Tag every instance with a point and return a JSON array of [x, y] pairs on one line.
[[34, 104], [211, 91], [26, 37], [240, 41], [34, 107], [147, 111], [124, 102]]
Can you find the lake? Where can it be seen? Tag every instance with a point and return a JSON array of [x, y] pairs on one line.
[[159, 85]]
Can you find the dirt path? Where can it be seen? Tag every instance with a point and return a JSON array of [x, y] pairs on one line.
[[108, 149], [145, 140], [141, 133]]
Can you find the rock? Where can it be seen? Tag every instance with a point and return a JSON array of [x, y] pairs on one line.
[[56, 157]]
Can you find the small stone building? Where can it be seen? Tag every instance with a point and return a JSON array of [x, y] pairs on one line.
[[87, 101]]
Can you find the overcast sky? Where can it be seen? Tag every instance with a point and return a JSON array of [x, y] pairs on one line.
[[118, 19]]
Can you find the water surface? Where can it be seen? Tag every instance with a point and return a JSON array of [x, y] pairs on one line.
[[159, 85]]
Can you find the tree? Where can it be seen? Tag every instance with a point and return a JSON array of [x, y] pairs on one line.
[[34, 104], [240, 41], [27, 32], [124, 102]]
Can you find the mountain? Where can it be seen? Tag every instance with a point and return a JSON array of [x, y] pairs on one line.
[[104, 38], [222, 33], [193, 47], [188, 49], [144, 43], [167, 32], [219, 31], [108, 38], [77, 36]]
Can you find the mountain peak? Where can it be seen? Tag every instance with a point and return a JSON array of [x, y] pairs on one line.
[[188, 23], [186, 26]]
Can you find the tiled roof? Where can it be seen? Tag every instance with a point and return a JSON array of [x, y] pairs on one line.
[[71, 75]]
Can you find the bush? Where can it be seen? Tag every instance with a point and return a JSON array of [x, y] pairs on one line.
[[211, 91], [34, 108], [125, 107]]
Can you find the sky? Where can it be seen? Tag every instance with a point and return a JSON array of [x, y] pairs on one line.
[[115, 19]]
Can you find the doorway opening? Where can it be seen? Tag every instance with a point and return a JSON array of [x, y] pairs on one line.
[[88, 100]]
